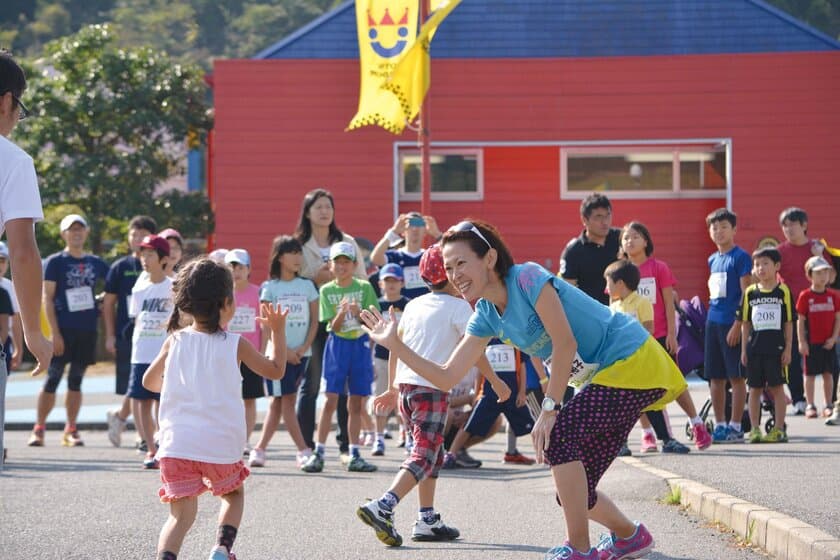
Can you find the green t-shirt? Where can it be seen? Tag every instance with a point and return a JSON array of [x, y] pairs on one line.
[[331, 296]]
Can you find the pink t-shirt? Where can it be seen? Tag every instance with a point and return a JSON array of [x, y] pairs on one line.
[[655, 275], [244, 320]]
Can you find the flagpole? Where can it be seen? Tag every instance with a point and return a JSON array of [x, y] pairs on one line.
[[423, 137]]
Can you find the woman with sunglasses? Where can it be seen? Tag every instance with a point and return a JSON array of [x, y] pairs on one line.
[[618, 367]]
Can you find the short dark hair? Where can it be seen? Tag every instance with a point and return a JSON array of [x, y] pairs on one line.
[[625, 271], [793, 214], [281, 245], [143, 222], [504, 259], [642, 230], [767, 252], [201, 289], [12, 78], [592, 202], [720, 215]]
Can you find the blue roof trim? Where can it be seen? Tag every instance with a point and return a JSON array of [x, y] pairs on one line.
[[574, 28], [832, 42], [303, 31]]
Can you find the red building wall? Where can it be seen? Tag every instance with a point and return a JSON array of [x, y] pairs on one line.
[[279, 133]]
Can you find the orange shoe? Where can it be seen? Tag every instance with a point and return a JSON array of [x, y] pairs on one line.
[[72, 439], [518, 458]]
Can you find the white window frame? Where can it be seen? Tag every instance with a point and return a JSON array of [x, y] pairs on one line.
[[401, 149], [649, 146]]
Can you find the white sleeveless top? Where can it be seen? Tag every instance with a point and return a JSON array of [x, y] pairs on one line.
[[202, 416]]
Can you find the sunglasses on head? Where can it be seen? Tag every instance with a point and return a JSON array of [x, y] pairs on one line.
[[469, 226]]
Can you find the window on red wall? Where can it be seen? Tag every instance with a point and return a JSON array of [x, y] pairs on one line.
[[646, 170], [457, 174]]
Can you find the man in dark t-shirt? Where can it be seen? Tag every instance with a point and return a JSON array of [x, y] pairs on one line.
[[586, 257]]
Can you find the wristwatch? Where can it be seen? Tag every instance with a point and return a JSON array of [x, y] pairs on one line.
[[550, 405]]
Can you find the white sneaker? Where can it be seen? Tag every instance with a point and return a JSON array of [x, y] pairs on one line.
[[256, 457], [437, 531], [116, 425], [302, 457]]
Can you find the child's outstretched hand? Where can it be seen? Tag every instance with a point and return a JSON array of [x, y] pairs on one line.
[[382, 329], [272, 317]]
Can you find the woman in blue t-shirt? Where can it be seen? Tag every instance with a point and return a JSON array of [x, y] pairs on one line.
[[619, 369]]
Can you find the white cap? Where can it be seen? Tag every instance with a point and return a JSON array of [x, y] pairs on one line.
[[239, 256], [4, 250], [71, 219], [343, 249], [218, 255]]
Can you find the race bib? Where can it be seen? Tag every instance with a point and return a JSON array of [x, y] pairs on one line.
[[647, 289], [717, 285], [502, 357], [582, 372], [298, 308], [413, 280], [766, 317], [152, 324], [244, 320], [79, 299]]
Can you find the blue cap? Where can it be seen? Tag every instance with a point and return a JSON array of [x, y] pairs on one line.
[[391, 270]]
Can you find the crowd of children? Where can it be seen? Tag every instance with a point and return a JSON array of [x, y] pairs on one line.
[[757, 327]]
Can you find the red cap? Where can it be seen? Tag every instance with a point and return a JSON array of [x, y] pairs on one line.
[[157, 243], [431, 265]]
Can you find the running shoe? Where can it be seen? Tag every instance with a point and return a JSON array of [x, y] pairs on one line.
[[834, 419], [315, 464], [775, 436], [302, 457], [673, 446], [449, 461], [625, 451], [368, 440], [221, 553], [357, 464], [465, 461], [702, 437], [827, 412], [382, 521], [379, 448], [719, 435], [755, 436], [613, 548], [36, 439], [116, 426], [151, 462], [734, 436], [435, 531], [648, 443], [811, 411], [566, 552], [517, 458], [799, 408], [72, 439], [256, 458]]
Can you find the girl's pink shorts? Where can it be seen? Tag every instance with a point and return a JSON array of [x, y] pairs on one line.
[[183, 478]]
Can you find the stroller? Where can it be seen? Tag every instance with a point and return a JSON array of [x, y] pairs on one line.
[[691, 328]]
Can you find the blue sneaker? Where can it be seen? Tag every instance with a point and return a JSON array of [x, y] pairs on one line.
[[221, 553], [734, 436], [566, 552], [720, 433]]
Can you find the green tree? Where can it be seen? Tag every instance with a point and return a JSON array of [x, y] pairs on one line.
[[109, 126]]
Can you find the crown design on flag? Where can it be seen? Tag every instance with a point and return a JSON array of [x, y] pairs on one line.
[[387, 19]]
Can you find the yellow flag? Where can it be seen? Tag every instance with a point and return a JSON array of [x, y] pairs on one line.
[[387, 29], [410, 79]]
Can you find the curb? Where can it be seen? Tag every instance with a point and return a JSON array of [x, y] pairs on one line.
[[782, 536]]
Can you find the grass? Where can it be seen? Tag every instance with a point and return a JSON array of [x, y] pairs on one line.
[[673, 497]]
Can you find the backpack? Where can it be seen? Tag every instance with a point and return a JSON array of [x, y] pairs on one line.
[[691, 333]]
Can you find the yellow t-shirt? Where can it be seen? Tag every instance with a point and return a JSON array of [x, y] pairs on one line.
[[635, 306]]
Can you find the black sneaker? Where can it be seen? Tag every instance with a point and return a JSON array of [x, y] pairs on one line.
[[382, 522], [436, 531], [465, 461]]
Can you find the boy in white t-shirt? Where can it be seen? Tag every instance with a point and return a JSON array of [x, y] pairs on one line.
[[151, 305], [431, 325]]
